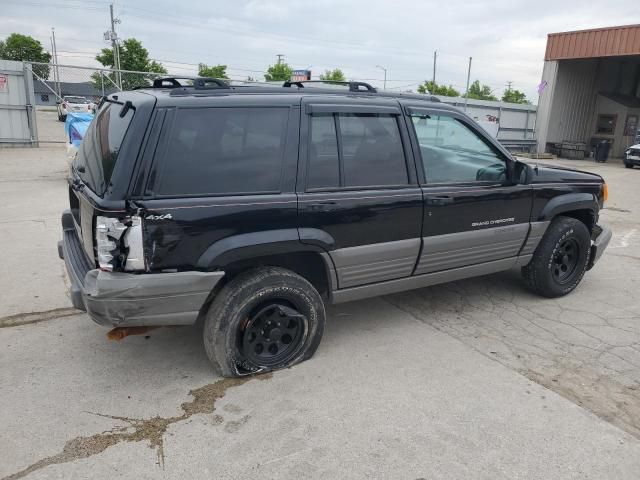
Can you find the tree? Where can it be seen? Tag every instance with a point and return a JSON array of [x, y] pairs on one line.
[[335, 75], [514, 96], [133, 56], [435, 89], [279, 71], [214, 71], [24, 48], [478, 92]]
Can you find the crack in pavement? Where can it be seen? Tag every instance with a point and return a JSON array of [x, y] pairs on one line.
[[587, 356], [151, 430], [34, 317]]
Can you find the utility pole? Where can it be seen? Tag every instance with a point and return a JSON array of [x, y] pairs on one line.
[[435, 57], [466, 95], [384, 87], [509, 83], [56, 72], [280, 57], [116, 49]]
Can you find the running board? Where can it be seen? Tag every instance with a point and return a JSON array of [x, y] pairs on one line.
[[426, 280]]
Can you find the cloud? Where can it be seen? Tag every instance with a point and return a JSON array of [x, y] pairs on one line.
[[506, 38]]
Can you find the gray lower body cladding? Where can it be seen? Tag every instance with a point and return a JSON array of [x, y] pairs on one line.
[[375, 263], [426, 280], [455, 250], [535, 235], [125, 299]]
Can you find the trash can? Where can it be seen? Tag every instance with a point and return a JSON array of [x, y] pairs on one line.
[[602, 150]]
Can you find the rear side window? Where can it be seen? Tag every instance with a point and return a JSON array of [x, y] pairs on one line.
[[355, 150], [100, 146], [215, 151]]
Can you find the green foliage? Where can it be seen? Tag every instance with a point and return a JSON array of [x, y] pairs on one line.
[[335, 75], [514, 96], [435, 89], [214, 71], [133, 56], [480, 92], [279, 71], [24, 48]]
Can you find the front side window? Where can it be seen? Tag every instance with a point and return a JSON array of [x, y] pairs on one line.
[[218, 151], [369, 153], [454, 153]]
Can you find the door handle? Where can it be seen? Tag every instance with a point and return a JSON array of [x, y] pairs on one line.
[[440, 200], [325, 206]]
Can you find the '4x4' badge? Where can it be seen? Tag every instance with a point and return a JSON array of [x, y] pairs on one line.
[[166, 216]]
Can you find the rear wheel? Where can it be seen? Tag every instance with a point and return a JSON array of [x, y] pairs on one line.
[[561, 258], [263, 320]]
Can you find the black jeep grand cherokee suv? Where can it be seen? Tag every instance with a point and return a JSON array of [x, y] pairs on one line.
[[250, 207]]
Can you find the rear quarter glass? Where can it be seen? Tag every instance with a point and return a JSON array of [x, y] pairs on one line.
[[99, 149]]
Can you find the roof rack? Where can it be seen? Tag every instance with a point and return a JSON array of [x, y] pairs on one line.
[[198, 83], [353, 86]]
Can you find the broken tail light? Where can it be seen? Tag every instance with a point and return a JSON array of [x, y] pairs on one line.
[[119, 243]]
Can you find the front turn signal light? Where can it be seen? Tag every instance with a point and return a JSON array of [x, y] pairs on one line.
[[605, 192]]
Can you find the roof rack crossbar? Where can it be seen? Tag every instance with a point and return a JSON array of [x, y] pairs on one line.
[[200, 83], [195, 82], [353, 86]]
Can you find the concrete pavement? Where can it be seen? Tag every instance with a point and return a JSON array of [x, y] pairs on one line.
[[386, 396]]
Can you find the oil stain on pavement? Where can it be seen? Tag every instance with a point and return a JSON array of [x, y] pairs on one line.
[[151, 430]]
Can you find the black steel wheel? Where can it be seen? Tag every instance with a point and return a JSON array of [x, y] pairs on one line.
[[272, 334], [560, 259], [263, 319], [565, 260]]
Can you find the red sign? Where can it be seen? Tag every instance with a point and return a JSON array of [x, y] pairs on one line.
[[4, 83]]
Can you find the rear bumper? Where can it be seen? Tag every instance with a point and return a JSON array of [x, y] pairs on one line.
[[125, 299], [601, 236]]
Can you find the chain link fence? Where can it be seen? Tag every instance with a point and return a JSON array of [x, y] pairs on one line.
[[52, 82]]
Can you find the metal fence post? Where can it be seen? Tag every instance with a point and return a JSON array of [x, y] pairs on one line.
[[30, 104]]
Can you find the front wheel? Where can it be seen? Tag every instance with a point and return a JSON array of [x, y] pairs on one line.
[[262, 320], [561, 258], [628, 165]]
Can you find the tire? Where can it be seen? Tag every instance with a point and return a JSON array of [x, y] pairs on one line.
[[561, 258], [269, 299], [628, 165]]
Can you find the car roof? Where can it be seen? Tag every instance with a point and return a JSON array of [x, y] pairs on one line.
[[288, 94]]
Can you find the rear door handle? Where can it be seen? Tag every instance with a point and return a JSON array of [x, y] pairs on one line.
[[325, 206]]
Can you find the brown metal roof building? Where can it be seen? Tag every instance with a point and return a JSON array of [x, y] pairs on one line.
[[590, 90]]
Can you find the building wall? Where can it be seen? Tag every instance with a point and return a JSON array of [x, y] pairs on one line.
[[573, 102], [621, 142], [517, 121]]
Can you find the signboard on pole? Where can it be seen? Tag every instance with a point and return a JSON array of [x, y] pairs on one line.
[[4, 83], [300, 75]]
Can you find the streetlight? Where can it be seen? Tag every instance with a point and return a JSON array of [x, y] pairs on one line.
[[385, 76]]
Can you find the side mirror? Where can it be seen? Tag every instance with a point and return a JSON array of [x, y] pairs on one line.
[[520, 172]]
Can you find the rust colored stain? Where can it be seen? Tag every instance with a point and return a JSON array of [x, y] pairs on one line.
[[599, 42], [119, 333]]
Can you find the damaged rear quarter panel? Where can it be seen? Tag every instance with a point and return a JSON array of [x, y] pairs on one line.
[[195, 224]]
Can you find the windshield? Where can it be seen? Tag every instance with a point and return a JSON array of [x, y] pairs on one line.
[[100, 146], [76, 100]]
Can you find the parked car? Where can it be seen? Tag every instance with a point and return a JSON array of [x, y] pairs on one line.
[[632, 156], [250, 208], [72, 103]]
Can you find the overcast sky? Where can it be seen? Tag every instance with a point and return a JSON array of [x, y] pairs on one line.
[[506, 38]]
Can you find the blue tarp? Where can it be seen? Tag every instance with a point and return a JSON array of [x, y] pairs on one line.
[[76, 126]]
